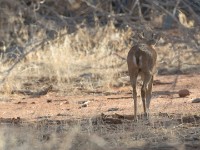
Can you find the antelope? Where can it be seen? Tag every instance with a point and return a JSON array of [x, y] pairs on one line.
[[141, 61]]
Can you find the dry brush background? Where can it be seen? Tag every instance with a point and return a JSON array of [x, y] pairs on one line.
[[74, 47]]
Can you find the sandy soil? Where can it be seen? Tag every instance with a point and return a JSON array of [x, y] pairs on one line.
[[165, 99], [105, 118]]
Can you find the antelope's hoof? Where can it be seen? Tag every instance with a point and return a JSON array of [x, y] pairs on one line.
[[146, 116], [135, 119]]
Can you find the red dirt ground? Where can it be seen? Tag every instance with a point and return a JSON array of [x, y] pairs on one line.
[[165, 99]]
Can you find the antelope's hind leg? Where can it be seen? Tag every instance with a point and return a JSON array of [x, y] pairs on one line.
[[146, 92], [133, 73], [149, 95]]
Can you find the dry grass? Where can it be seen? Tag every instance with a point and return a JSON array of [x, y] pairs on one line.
[[86, 59], [160, 133], [178, 58], [89, 59]]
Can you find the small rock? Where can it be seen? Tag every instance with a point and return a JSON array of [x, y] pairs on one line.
[[49, 101], [183, 93], [67, 102], [82, 102], [21, 102], [32, 102], [113, 109], [59, 114], [84, 105], [196, 100], [64, 103]]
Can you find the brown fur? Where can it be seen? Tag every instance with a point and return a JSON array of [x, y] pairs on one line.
[[141, 61]]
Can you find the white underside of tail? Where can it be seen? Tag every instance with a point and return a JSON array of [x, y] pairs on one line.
[[135, 62], [140, 62]]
